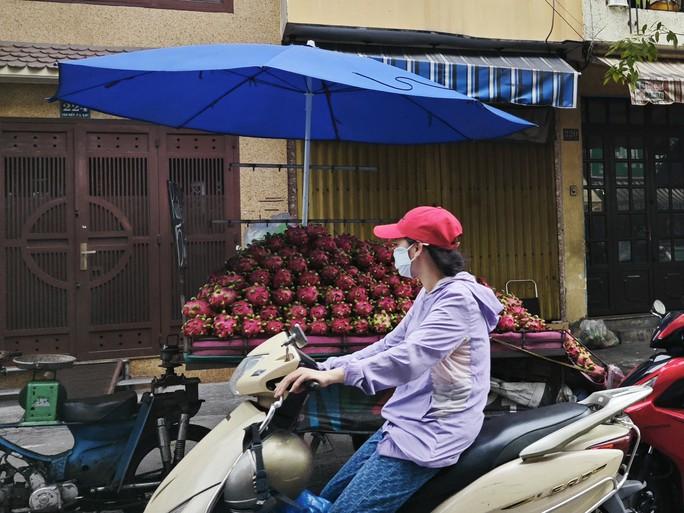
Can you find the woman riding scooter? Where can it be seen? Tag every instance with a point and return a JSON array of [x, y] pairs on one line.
[[438, 360]]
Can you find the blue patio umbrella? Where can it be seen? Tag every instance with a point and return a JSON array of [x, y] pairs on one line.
[[289, 92]]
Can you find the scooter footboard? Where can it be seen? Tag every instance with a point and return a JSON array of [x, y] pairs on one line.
[[196, 480], [568, 482]]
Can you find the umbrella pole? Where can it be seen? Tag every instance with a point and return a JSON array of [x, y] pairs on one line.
[[307, 154]]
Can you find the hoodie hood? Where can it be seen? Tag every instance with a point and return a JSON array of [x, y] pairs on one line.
[[490, 306]]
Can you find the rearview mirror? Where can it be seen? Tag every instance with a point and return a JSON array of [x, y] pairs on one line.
[[299, 339], [658, 308]]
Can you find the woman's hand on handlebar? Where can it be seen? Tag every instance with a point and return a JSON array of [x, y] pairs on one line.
[[296, 380]]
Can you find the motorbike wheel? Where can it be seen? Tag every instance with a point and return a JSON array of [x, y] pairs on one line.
[[146, 463]]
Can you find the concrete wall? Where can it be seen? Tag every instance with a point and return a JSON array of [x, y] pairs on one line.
[[498, 19], [603, 23]]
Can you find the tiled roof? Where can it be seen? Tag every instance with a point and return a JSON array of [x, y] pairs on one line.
[[45, 56]]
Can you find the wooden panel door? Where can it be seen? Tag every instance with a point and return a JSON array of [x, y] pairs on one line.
[[117, 226], [36, 238]]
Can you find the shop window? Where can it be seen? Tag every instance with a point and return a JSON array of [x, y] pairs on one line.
[[182, 5]]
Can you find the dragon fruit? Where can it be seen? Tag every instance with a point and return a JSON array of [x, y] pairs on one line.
[[282, 278], [222, 297], [273, 262], [344, 282], [246, 265], [318, 259], [242, 309], [363, 308], [307, 295], [333, 296], [344, 242], [225, 326], [329, 273], [378, 272], [269, 312], [257, 252], [287, 252], [364, 260], [365, 280], [361, 327], [297, 264], [297, 236], [251, 327], [298, 311], [380, 290], [318, 312], [384, 255], [196, 307], [274, 327], [506, 323], [342, 259], [405, 305], [326, 243], [275, 242], [382, 322], [394, 281], [318, 327], [283, 297], [353, 271], [197, 327], [257, 295], [316, 230], [388, 304], [309, 278], [341, 326], [357, 294], [260, 276], [340, 310], [232, 280], [403, 290], [204, 291]]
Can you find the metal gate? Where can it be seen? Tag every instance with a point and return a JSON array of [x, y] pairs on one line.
[[86, 260]]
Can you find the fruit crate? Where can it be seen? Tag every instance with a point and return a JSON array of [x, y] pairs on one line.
[[231, 351]]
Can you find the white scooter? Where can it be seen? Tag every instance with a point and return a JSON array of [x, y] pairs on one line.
[[565, 458]]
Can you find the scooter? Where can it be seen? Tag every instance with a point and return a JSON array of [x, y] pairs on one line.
[[122, 447], [562, 458], [660, 417]]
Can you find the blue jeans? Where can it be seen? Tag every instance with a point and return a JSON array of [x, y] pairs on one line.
[[371, 483]]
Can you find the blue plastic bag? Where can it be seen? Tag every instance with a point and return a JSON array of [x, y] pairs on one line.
[[309, 503]]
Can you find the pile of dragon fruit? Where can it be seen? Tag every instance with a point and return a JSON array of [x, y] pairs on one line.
[[515, 316], [329, 285]]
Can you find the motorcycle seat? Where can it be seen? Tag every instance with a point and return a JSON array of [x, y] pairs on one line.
[[118, 406], [500, 441]]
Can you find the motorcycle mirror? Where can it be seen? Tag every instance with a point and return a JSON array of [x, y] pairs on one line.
[[299, 337], [658, 308]]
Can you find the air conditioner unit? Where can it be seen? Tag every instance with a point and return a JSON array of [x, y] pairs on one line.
[[617, 3]]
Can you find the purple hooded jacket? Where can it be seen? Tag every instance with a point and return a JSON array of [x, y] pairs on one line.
[[438, 360]]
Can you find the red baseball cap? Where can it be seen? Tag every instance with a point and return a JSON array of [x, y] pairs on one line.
[[432, 225]]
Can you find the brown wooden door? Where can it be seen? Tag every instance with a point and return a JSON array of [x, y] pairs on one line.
[[37, 239], [86, 256]]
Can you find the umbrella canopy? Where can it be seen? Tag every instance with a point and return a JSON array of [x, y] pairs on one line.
[[289, 92]]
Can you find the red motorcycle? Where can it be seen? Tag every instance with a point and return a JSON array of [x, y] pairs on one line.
[[660, 417]]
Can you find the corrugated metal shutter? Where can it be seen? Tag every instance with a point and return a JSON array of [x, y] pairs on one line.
[[502, 192]]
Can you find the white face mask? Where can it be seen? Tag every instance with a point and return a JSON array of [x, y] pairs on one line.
[[402, 261]]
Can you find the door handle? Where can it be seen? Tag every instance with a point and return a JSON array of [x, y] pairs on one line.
[[84, 255]]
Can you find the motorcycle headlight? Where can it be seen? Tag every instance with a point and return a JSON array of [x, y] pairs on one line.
[[245, 366]]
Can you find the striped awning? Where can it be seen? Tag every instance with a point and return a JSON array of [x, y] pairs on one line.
[[659, 83], [522, 80]]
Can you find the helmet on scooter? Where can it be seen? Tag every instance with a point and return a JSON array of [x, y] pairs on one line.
[[288, 463]]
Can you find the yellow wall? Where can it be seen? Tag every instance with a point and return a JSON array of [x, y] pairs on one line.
[[502, 192], [499, 19]]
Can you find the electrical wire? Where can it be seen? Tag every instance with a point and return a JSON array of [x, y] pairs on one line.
[[553, 20], [563, 18]]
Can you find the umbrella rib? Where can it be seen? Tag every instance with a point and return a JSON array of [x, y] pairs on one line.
[[265, 71], [216, 100], [328, 100], [107, 85], [439, 118]]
